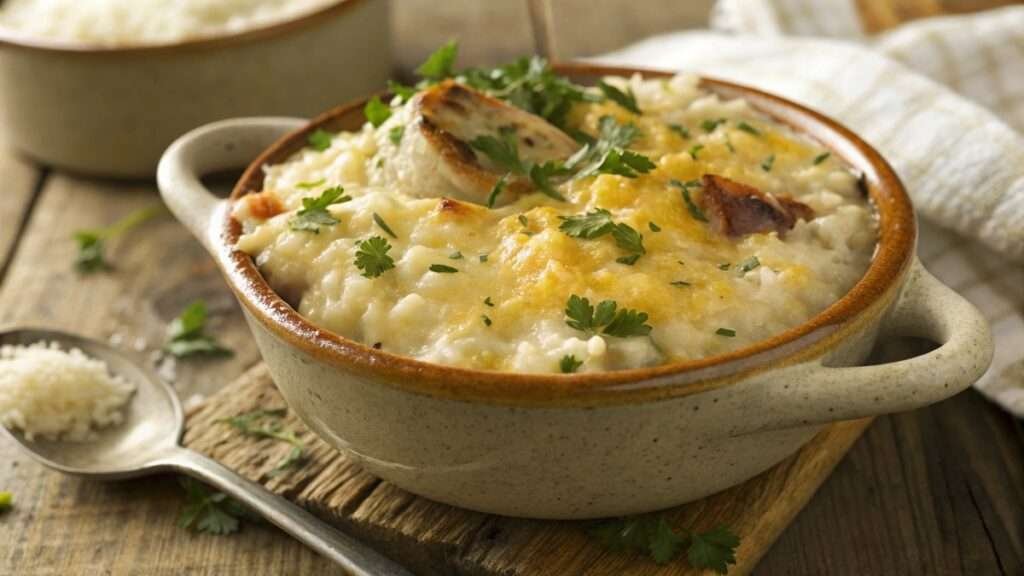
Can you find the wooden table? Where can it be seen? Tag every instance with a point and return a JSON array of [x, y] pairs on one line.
[[936, 491]]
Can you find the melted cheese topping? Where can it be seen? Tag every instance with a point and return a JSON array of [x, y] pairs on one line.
[[529, 271]]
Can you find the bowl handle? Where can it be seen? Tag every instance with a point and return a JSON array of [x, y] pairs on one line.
[[810, 394], [218, 146]]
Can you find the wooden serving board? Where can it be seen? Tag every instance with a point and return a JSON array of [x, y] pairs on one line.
[[432, 538]]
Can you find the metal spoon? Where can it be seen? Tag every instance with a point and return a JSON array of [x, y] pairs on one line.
[[147, 443]]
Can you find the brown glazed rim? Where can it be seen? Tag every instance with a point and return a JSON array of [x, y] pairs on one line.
[[862, 305], [10, 39]]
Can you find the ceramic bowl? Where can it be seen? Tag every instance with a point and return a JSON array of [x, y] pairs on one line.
[[113, 111], [591, 445]]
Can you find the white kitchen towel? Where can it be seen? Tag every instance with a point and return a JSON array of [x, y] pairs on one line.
[[942, 99]]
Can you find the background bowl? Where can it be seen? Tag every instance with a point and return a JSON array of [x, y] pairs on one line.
[[112, 111]]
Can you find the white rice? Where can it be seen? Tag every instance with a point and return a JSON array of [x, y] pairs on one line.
[[52, 393], [140, 22]]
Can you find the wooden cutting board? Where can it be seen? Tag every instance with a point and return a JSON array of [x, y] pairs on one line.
[[436, 539]]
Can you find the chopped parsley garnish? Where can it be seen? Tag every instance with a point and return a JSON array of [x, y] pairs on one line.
[[681, 130], [541, 175], [440, 64], [523, 220], [400, 90], [372, 256], [483, 258], [608, 154], [680, 283], [488, 302], [6, 501], [768, 163], [499, 187], [395, 135], [710, 125], [691, 206], [621, 323], [209, 511], [713, 550], [442, 269], [590, 225], [455, 255], [727, 332], [569, 364], [502, 151], [486, 319], [268, 424], [748, 128], [185, 336], [724, 266], [314, 212], [821, 158], [384, 225], [627, 238], [654, 227], [376, 112], [319, 140], [694, 150], [625, 99], [91, 242], [748, 264], [311, 185]]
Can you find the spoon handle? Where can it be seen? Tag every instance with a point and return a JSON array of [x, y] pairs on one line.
[[352, 555]]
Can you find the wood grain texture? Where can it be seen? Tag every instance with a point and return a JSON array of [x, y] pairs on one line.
[[21, 183], [435, 539]]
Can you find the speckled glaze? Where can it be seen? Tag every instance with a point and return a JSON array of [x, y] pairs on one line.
[[113, 111], [591, 445]]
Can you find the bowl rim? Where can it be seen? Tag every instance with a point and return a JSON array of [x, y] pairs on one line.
[[11, 39], [866, 301]]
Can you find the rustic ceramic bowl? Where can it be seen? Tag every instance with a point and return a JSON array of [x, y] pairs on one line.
[[113, 111], [590, 445]]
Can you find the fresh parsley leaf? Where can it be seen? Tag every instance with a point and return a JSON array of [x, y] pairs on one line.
[[440, 64], [727, 332], [654, 227], [749, 264], [724, 266], [681, 130], [6, 501], [627, 238], [569, 364], [400, 90], [608, 153], [455, 255], [664, 543], [625, 163], [644, 534], [311, 185], [590, 225], [625, 99], [680, 283], [691, 206], [621, 323], [209, 511], [486, 319], [91, 243], [541, 175], [499, 187], [523, 220], [502, 151], [483, 258], [488, 302], [186, 337], [384, 225], [748, 128], [267, 424], [713, 550], [443, 269], [821, 158], [395, 135], [376, 112], [372, 256], [319, 140], [314, 212], [710, 125], [768, 163], [694, 150]]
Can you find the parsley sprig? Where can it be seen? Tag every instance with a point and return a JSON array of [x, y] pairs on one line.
[[319, 140], [314, 213], [372, 256], [91, 242], [569, 364], [597, 223], [268, 424], [621, 323], [376, 112], [712, 550], [608, 153], [186, 337], [503, 151], [209, 511], [625, 99], [691, 206]]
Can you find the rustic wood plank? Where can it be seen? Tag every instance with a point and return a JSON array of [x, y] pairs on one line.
[[434, 538], [22, 181], [61, 525]]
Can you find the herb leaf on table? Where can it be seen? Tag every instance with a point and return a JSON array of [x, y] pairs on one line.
[[186, 337], [268, 424], [91, 242], [208, 511], [652, 535]]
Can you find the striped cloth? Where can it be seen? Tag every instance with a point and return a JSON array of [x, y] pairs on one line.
[[941, 98]]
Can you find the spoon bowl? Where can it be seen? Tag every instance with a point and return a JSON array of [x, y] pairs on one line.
[[147, 442]]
